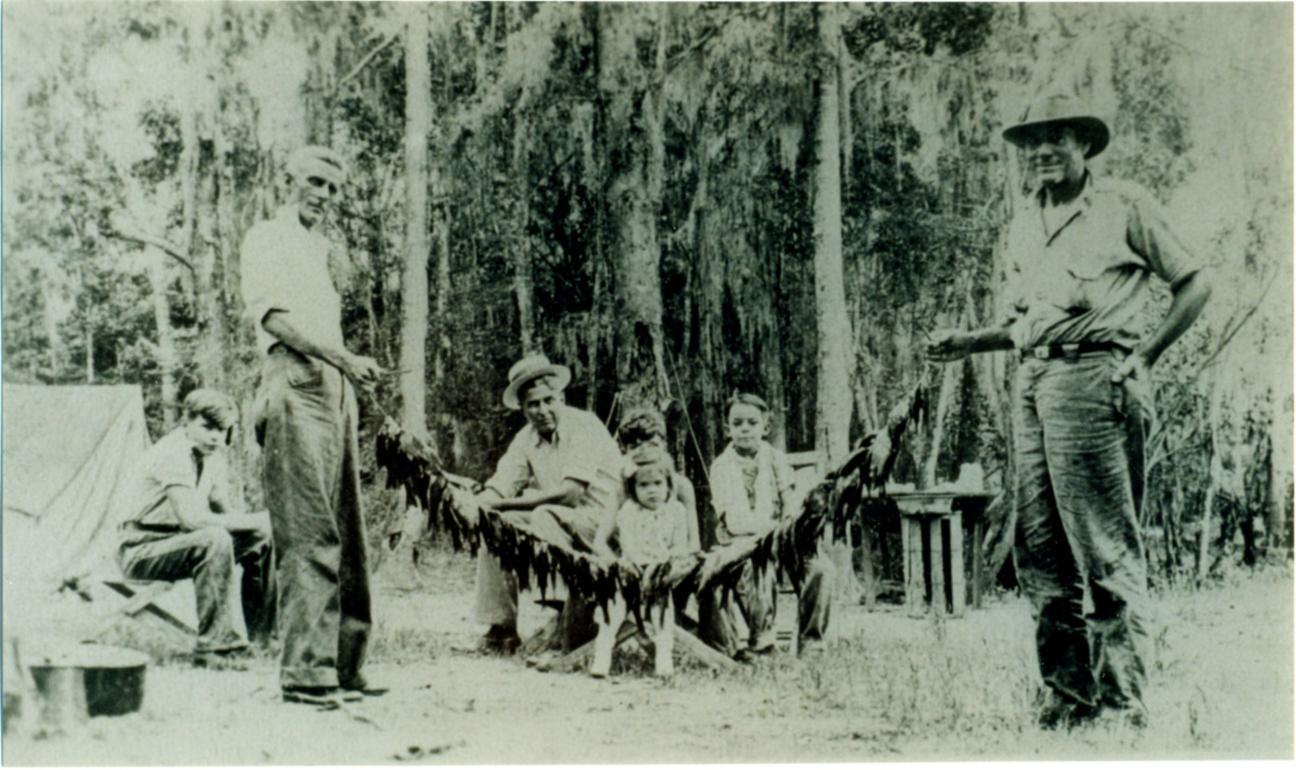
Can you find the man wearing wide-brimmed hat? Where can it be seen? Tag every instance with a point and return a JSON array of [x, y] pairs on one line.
[[560, 476], [1081, 255], [306, 423]]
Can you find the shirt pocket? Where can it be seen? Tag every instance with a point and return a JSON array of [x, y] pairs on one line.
[[1092, 270]]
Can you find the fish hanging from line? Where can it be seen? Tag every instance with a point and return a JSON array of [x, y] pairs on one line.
[[449, 502]]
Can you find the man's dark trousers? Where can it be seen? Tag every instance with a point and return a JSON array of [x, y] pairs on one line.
[[312, 487]]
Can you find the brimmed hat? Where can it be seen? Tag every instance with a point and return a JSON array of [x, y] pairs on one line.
[[528, 369], [313, 159], [1060, 108]]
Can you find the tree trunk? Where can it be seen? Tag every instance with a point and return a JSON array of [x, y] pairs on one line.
[[1280, 457], [634, 187], [414, 285], [449, 422], [1204, 534], [89, 336], [165, 336], [523, 291], [706, 287], [833, 403], [198, 200], [50, 277]]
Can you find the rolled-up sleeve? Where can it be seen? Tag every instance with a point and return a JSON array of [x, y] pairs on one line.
[[512, 472], [173, 469], [1151, 237], [263, 280]]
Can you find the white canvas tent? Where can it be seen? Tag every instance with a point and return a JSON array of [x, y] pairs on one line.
[[68, 454]]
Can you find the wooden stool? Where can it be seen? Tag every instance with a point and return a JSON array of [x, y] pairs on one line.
[[932, 542]]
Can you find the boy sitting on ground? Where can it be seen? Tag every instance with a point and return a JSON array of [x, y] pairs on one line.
[[179, 527], [650, 527]]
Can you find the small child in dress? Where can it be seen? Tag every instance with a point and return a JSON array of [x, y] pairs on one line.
[[751, 484], [651, 527]]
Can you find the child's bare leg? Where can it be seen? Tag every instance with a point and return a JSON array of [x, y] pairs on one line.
[[664, 642], [606, 639]]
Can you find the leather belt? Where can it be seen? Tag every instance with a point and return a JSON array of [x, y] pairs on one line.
[[1070, 350]]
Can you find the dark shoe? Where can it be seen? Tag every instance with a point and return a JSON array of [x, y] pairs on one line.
[[1127, 718], [812, 647], [1060, 714], [361, 685], [235, 659], [543, 661], [497, 641], [322, 697], [743, 656]]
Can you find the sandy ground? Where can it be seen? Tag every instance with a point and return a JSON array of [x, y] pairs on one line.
[[889, 687]]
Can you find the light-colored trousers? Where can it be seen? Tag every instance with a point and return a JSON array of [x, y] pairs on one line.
[[229, 607], [310, 467], [1080, 481], [659, 623], [497, 590]]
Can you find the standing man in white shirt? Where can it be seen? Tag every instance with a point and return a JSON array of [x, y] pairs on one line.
[[306, 423]]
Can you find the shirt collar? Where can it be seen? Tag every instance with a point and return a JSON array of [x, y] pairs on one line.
[[194, 455], [1073, 210], [290, 214], [1085, 199], [183, 438]]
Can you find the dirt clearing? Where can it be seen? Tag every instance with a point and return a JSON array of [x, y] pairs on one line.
[[887, 687]]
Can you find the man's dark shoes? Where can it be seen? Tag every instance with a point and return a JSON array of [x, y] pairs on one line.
[[361, 685], [322, 697], [497, 641], [235, 659], [1060, 714], [1130, 717]]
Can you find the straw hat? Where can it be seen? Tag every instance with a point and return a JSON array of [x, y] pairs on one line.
[[531, 368]]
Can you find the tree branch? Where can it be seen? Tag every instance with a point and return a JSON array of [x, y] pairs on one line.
[[364, 62], [1156, 439], [121, 231]]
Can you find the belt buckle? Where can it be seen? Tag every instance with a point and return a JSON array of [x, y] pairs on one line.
[[1040, 352]]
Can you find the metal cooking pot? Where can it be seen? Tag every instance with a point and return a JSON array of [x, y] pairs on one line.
[[109, 679]]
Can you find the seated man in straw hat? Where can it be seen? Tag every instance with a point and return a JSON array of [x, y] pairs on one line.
[[560, 475]]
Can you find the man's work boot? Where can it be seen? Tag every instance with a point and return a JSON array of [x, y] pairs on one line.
[[233, 659], [1059, 713], [361, 685], [499, 640]]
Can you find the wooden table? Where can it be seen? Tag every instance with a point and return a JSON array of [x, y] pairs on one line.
[[931, 536]]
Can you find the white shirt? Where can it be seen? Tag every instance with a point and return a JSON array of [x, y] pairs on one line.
[[580, 449], [286, 268]]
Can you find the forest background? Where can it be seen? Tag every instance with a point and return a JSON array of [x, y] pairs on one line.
[[675, 200]]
